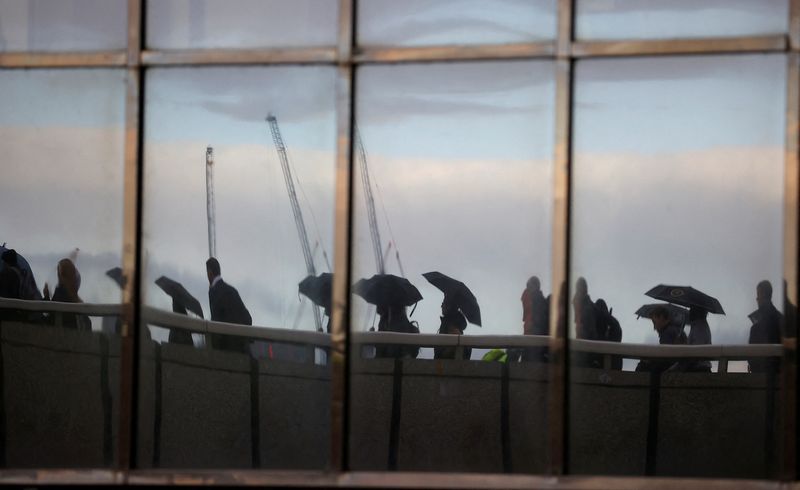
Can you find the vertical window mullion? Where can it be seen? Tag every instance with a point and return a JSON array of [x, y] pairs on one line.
[[345, 112]]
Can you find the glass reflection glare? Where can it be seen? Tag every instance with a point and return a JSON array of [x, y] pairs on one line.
[[427, 22], [670, 19], [235, 160], [677, 182], [460, 170], [64, 25], [61, 138], [196, 24]]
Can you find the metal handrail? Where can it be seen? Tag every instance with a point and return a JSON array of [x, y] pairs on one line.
[[157, 317], [90, 309]]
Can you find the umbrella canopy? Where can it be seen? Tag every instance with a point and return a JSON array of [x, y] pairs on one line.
[[459, 293], [678, 314], [387, 290], [686, 296], [180, 295], [318, 289], [116, 275]]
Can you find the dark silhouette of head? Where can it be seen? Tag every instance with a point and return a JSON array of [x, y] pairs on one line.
[[581, 288], [533, 284], [660, 318], [69, 278], [213, 269], [764, 293]]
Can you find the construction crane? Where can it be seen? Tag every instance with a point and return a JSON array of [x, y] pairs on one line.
[[377, 247], [210, 204], [372, 218], [296, 211]]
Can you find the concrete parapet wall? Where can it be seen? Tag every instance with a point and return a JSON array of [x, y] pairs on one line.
[[209, 409]]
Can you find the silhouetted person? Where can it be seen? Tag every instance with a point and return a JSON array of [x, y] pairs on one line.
[[535, 317], [226, 306], [699, 334], [610, 329], [10, 276], [668, 334], [585, 323], [452, 322], [178, 335], [393, 318], [66, 291], [766, 327]]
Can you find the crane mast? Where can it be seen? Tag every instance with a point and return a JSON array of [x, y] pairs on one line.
[[210, 203], [296, 211], [369, 200]]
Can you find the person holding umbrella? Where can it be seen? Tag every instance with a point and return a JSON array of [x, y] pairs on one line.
[[319, 290], [458, 306], [391, 295], [182, 303], [700, 305]]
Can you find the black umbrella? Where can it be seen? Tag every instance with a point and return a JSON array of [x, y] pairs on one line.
[[686, 296], [179, 295], [388, 290], [678, 314], [116, 275], [318, 289], [459, 293]]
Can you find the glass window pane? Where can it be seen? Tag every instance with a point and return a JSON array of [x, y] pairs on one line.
[[63, 25], [459, 158], [677, 180], [197, 24], [665, 19], [436, 22], [61, 136], [256, 394]]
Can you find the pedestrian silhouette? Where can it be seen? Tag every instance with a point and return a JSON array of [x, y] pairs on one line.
[[66, 291], [669, 333], [535, 317], [766, 328], [226, 306]]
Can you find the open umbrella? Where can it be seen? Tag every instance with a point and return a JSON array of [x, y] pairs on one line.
[[387, 289], [180, 295], [460, 294], [116, 275], [318, 289], [686, 296], [678, 314]]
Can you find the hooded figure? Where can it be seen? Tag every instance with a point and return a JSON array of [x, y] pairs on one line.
[[67, 292]]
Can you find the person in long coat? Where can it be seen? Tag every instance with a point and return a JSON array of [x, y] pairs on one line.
[[226, 306], [766, 328]]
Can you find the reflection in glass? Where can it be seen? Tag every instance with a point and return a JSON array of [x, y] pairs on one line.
[[452, 218], [665, 19], [677, 218], [198, 24], [61, 135], [239, 167], [435, 22], [63, 25]]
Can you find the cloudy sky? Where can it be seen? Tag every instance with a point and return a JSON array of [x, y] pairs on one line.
[[62, 182]]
